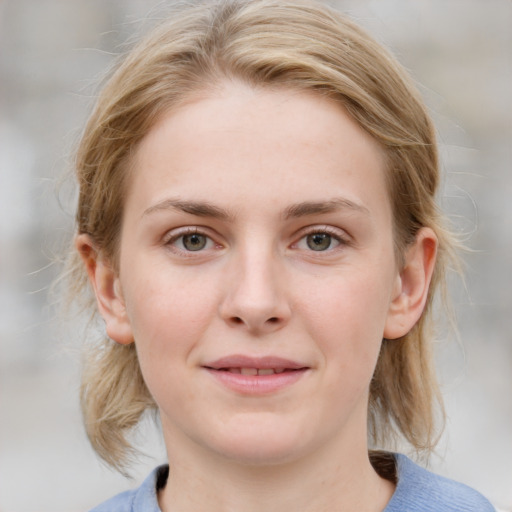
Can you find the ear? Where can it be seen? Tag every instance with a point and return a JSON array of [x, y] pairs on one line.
[[107, 288], [412, 285]]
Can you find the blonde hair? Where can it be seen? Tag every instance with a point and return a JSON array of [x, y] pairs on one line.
[[265, 43]]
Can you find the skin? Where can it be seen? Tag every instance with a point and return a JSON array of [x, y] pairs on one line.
[[260, 177]]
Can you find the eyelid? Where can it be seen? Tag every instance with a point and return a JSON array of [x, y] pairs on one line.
[[175, 234], [338, 234]]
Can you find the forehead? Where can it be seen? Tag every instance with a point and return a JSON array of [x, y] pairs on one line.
[[240, 139]]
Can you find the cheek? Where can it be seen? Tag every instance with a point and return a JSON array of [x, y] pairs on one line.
[[349, 304], [347, 318], [168, 316], [169, 312]]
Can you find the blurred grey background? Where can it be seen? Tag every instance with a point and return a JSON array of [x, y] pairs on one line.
[[51, 55]]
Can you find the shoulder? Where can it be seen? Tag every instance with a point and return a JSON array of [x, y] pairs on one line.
[[122, 502], [419, 490], [141, 499]]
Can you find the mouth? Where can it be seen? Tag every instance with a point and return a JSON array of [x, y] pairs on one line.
[[254, 376], [246, 365], [254, 371]]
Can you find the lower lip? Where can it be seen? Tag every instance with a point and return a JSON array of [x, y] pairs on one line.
[[257, 384]]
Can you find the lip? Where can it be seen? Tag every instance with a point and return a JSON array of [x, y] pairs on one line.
[[289, 373], [241, 361]]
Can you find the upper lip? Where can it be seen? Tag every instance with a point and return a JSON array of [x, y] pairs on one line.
[[241, 361]]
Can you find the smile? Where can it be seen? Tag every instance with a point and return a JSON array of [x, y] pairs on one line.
[[255, 371], [256, 376]]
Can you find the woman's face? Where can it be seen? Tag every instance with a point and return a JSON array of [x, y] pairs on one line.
[[257, 273]]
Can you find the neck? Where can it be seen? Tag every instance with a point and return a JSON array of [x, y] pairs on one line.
[[318, 482]]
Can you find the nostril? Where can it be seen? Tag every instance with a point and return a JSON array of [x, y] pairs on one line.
[[257, 323]]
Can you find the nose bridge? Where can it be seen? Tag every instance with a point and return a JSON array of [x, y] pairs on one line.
[[255, 298]]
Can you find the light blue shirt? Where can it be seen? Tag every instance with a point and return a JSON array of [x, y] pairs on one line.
[[417, 490]]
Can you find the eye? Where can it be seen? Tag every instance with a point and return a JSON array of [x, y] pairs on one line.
[[192, 241], [321, 240]]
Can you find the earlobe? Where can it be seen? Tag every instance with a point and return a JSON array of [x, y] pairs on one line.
[[412, 285], [107, 290]]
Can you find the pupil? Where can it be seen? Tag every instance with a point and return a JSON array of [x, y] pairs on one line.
[[194, 242], [319, 241]]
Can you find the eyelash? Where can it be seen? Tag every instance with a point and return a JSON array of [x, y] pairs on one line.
[[334, 234], [171, 238]]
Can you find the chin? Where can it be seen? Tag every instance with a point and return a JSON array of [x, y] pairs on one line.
[[260, 444]]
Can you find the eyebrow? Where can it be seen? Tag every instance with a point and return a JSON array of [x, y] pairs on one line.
[[318, 207], [198, 208], [303, 209]]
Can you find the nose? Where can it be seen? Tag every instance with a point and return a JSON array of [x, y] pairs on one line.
[[256, 298]]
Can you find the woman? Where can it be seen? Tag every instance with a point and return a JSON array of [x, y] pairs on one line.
[[257, 220]]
